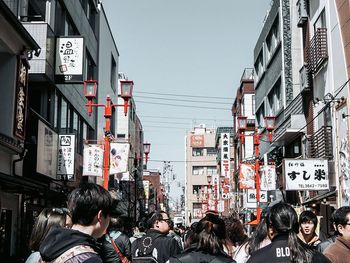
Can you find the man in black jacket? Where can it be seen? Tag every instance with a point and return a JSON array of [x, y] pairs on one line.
[[90, 207], [156, 244]]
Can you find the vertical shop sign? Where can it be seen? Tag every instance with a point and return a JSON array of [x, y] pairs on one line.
[[65, 157], [268, 177], [69, 60], [247, 176], [225, 155], [21, 98], [93, 160]]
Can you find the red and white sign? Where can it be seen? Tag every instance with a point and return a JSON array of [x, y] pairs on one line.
[[197, 141], [247, 176], [225, 155]]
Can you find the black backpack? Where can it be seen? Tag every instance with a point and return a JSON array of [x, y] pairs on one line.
[[145, 251]]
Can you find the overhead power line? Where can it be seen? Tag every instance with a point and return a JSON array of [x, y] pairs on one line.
[[179, 105], [181, 118], [184, 95], [181, 100]]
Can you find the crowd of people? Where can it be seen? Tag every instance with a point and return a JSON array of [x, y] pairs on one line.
[[90, 230]]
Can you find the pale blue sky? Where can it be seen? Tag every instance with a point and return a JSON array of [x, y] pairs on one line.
[[183, 47]]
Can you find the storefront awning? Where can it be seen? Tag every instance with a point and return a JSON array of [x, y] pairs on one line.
[[320, 197]]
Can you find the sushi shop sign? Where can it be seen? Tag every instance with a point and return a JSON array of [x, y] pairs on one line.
[[307, 174]]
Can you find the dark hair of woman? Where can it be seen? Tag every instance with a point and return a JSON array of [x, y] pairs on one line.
[[190, 235], [211, 234], [284, 220], [258, 236], [235, 230], [47, 218]]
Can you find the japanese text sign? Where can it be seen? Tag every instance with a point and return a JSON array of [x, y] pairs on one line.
[[268, 177], [69, 59], [251, 196], [197, 141], [225, 155], [309, 174], [65, 157], [21, 98], [93, 160]]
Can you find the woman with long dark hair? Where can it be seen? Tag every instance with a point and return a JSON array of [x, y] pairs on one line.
[[258, 240], [209, 243], [283, 227]]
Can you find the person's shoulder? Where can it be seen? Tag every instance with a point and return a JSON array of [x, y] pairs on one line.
[[318, 257], [260, 255]]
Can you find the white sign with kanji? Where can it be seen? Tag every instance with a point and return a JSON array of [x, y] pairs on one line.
[[251, 196], [65, 157], [93, 160], [225, 155], [308, 174], [268, 177]]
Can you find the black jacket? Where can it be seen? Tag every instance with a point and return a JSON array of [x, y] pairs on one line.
[[59, 240], [166, 246], [192, 254], [278, 252], [108, 254]]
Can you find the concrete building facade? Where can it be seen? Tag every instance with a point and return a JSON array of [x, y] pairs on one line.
[[200, 195]]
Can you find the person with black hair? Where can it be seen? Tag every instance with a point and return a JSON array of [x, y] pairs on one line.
[[90, 207], [174, 235], [283, 227], [138, 231], [339, 251], [259, 239], [190, 235], [308, 223], [155, 246], [209, 243], [116, 233]]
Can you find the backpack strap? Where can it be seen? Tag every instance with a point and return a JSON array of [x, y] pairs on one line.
[[72, 252]]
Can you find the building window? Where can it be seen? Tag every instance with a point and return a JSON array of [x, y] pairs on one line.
[[272, 39], [253, 104], [260, 113], [197, 189], [275, 99], [113, 74], [64, 115], [75, 123], [321, 21], [198, 170], [259, 66], [243, 113], [212, 170], [90, 66], [211, 151], [197, 151]]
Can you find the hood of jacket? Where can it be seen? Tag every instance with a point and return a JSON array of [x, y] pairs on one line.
[[59, 240]]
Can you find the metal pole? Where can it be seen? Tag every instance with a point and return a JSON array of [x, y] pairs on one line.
[[257, 175], [107, 115]]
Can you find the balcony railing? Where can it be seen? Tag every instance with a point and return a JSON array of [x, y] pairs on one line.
[[317, 51], [320, 143]]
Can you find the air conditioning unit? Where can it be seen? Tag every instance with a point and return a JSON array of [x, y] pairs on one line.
[[302, 12], [305, 79]]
